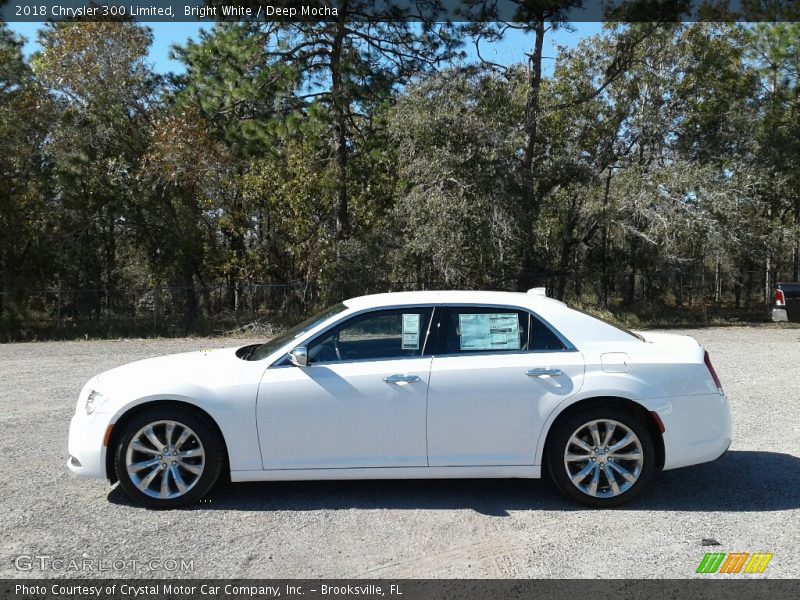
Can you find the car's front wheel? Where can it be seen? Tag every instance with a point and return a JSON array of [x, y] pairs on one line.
[[168, 458], [601, 457]]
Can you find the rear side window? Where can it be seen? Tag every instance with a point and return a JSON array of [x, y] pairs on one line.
[[542, 337], [471, 329]]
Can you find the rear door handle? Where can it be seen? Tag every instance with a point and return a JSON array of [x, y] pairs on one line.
[[401, 378], [542, 371]]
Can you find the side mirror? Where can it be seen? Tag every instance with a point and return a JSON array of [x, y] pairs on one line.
[[299, 356]]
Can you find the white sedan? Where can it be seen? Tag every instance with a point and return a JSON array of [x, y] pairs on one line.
[[433, 384]]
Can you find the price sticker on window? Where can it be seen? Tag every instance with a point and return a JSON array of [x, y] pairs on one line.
[[489, 331], [411, 332]]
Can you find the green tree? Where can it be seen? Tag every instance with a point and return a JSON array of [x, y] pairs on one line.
[[457, 133], [538, 17], [27, 221], [350, 65], [176, 221], [98, 76], [236, 86], [775, 51], [245, 100]]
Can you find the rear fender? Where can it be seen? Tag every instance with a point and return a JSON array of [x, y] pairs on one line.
[[599, 386]]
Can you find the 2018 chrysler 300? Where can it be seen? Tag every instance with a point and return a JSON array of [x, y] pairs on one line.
[[439, 384]]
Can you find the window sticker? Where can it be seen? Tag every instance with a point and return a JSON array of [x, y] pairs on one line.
[[411, 332], [489, 331]]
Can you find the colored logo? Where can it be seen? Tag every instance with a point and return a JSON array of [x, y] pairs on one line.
[[734, 562]]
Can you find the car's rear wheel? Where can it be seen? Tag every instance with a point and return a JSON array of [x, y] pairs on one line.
[[601, 457], [168, 458]]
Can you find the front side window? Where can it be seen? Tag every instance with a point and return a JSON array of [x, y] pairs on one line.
[[471, 329], [396, 333]]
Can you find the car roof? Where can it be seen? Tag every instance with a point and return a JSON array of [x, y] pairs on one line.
[[575, 326], [450, 297]]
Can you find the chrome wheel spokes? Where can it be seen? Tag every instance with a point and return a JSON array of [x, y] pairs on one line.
[[165, 459], [603, 458]]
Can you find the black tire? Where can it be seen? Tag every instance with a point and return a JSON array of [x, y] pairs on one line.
[[559, 443], [204, 437]]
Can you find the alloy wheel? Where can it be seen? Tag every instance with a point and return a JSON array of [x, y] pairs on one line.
[[165, 459], [603, 458]]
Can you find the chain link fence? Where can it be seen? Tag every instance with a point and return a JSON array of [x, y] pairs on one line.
[[58, 313], [148, 311]]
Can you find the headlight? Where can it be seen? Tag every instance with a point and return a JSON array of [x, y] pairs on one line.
[[93, 400]]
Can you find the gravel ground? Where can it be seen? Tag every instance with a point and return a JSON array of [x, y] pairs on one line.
[[749, 500]]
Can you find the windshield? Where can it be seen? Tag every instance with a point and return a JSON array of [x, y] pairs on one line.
[[265, 350]]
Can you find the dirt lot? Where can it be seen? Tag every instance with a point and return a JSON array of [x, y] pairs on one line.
[[749, 500]]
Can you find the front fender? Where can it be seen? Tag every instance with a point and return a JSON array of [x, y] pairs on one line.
[[233, 411]]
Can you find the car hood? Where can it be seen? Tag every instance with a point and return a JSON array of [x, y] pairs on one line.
[[196, 367]]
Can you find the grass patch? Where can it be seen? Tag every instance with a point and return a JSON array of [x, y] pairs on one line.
[[659, 316]]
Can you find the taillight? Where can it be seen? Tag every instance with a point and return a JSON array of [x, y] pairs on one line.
[[780, 299], [711, 370]]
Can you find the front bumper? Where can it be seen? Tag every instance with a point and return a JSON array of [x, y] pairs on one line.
[[697, 429], [86, 444]]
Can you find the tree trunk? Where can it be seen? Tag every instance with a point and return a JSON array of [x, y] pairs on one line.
[[156, 308], [236, 243], [796, 253], [190, 297], [339, 107], [631, 291], [230, 292], [604, 253], [110, 258], [5, 276], [529, 196], [767, 286], [767, 270], [563, 265], [748, 285], [577, 277]]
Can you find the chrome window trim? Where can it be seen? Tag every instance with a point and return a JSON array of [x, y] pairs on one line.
[[489, 353], [328, 363], [358, 313], [568, 346], [436, 306]]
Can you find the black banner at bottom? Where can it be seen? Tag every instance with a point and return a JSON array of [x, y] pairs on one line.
[[398, 589]]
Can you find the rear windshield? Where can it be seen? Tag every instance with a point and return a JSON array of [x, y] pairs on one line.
[[614, 325]]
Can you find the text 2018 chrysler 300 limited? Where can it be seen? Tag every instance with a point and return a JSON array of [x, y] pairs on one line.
[[438, 384]]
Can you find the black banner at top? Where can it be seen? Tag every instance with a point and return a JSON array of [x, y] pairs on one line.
[[401, 10]]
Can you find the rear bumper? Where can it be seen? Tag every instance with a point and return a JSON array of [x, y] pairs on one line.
[[779, 315], [87, 453], [698, 429]]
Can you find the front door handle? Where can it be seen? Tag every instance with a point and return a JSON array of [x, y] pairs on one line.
[[542, 371], [401, 378]]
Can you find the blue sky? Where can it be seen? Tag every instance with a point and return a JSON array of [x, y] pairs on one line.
[[511, 50]]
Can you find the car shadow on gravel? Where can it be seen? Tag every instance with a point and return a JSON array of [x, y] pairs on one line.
[[740, 481]]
